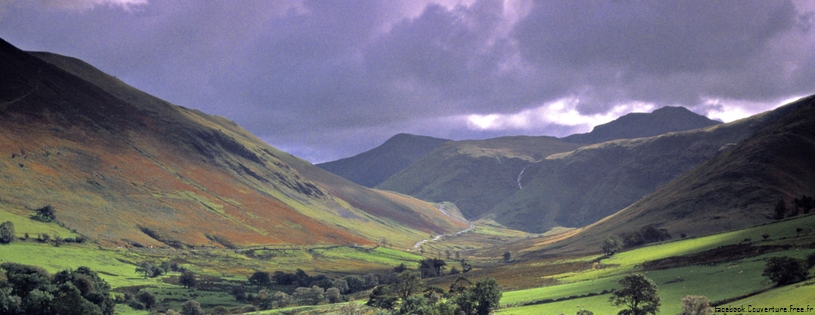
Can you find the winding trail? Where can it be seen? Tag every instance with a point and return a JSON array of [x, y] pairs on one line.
[[438, 237]]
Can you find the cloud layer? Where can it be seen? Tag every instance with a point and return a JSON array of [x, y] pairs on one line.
[[328, 79]]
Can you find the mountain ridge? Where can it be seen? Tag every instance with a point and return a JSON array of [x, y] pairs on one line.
[[126, 168], [640, 125], [372, 167]]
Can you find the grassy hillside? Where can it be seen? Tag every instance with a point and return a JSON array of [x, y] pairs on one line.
[[578, 188], [372, 167], [737, 188], [474, 174], [721, 267], [125, 168]]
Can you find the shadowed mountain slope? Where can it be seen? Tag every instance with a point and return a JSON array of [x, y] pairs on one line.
[[512, 181], [639, 125], [372, 167], [578, 188], [735, 189], [123, 167], [474, 174]]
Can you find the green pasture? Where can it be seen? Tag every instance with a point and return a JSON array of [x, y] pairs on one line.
[[717, 282]]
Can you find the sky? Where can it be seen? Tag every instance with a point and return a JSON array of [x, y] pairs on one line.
[[325, 80]]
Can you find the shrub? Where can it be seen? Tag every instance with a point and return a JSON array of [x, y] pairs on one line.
[[6, 232], [785, 270]]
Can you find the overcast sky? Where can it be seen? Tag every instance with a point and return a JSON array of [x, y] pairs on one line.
[[328, 79]]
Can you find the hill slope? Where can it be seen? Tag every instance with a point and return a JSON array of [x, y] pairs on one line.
[[474, 174], [578, 188], [735, 189], [123, 167], [639, 125], [372, 167], [511, 180]]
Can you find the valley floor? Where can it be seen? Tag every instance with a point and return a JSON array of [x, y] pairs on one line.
[[726, 268]]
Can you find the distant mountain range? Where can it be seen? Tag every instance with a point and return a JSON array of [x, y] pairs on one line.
[[538, 183], [123, 167], [370, 168]]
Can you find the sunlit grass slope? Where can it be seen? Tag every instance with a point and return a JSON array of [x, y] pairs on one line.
[[125, 168]]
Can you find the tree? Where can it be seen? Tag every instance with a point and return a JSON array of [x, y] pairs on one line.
[[780, 209], [785, 270], [459, 286], [220, 310], [263, 300], [431, 267], [333, 295], [46, 214], [382, 297], [187, 279], [486, 295], [191, 307], [611, 245], [696, 305], [9, 304], [6, 232], [281, 299], [260, 278], [585, 312], [309, 296], [507, 256], [639, 295], [407, 283], [146, 298], [415, 305]]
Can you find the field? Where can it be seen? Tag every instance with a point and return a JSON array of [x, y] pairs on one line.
[[725, 267], [719, 275]]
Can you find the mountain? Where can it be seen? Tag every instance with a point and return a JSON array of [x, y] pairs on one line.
[[514, 181], [474, 174], [372, 167], [125, 168], [639, 125], [580, 187], [735, 189]]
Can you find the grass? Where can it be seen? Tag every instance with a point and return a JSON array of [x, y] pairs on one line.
[[582, 290]]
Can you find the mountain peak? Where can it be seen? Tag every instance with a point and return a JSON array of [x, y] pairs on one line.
[[372, 167], [640, 125]]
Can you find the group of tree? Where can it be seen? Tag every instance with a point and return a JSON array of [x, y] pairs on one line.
[[803, 205], [152, 270], [647, 234], [45, 214], [301, 288], [408, 295], [431, 267], [640, 296], [31, 290], [788, 270]]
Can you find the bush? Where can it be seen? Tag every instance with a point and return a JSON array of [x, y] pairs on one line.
[[191, 307], [45, 214], [6, 232], [785, 270]]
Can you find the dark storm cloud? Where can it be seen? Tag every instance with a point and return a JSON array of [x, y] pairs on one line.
[[662, 51], [328, 79]]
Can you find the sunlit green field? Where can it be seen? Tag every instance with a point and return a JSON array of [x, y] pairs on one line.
[[583, 290]]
